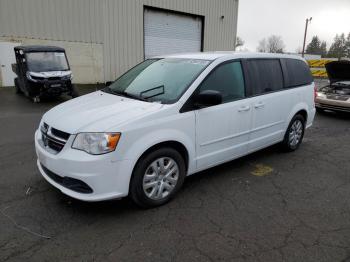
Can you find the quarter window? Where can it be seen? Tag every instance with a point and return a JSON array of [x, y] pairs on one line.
[[228, 80], [298, 72]]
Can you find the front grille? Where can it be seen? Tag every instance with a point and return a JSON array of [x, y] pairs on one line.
[[60, 133], [53, 138], [338, 97], [55, 78], [38, 78], [68, 182]]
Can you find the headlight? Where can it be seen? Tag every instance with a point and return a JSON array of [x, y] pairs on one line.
[[29, 77], [67, 77], [321, 95], [96, 143]]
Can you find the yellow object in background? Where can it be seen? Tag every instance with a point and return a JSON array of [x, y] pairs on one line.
[[318, 62]]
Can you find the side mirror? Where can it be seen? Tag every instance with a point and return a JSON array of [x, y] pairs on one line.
[[208, 98], [108, 83]]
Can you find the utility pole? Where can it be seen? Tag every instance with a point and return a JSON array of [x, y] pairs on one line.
[[308, 20]]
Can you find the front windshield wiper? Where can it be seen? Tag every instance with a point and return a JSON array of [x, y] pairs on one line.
[[124, 94], [161, 92]]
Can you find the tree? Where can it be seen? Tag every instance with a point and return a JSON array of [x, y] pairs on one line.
[[239, 42], [338, 48], [317, 47], [314, 47], [347, 45], [273, 44], [323, 49], [262, 47]]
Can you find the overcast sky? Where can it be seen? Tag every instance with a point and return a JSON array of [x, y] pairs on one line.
[[260, 18]]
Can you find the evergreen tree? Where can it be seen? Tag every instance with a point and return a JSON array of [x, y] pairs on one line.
[[347, 45], [314, 47], [323, 49], [338, 48]]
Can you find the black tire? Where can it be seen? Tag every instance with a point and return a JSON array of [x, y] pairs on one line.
[[287, 145], [136, 191], [74, 93], [18, 89]]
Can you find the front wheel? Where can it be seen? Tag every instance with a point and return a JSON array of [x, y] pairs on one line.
[[157, 177], [74, 93], [18, 89], [294, 134]]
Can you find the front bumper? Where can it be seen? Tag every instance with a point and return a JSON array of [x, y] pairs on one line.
[[107, 178], [50, 87], [334, 105]]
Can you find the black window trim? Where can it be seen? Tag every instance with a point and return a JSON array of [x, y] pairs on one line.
[[189, 106], [284, 75]]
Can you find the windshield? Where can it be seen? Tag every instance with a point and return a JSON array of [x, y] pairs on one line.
[[163, 80], [47, 61]]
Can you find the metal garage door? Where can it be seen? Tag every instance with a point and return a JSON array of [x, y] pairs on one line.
[[168, 33]]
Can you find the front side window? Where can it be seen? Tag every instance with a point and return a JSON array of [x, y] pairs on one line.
[[47, 61], [228, 80], [161, 80]]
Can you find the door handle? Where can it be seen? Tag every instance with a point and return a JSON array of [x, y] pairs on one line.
[[259, 105], [244, 108]]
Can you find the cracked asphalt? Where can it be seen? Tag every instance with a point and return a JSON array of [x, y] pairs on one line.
[[296, 209]]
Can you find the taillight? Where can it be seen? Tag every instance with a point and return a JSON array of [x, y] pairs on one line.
[[315, 92]]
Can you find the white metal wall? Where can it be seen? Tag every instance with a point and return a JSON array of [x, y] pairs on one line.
[[117, 24]]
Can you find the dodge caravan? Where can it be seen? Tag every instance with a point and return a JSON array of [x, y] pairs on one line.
[[170, 117]]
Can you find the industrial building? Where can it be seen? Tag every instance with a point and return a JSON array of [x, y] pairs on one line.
[[103, 38]]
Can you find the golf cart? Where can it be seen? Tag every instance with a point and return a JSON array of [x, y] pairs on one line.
[[42, 71]]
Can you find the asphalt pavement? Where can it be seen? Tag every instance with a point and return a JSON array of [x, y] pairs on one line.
[[268, 206]]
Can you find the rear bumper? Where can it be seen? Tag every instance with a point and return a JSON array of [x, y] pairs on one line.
[[107, 179]]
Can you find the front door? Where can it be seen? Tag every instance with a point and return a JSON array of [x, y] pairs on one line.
[[222, 131], [7, 58]]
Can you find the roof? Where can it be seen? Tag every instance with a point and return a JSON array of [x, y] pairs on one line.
[[229, 54], [39, 48]]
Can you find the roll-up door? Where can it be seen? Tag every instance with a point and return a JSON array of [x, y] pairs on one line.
[[169, 33]]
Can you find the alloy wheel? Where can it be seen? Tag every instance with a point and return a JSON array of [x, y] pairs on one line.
[[160, 178]]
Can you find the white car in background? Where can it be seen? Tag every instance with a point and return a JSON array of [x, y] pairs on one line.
[[170, 117]]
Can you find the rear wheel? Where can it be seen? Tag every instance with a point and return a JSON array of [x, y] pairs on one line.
[[157, 177], [295, 133]]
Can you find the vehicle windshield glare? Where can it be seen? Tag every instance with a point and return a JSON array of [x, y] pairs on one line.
[[163, 80], [47, 61]]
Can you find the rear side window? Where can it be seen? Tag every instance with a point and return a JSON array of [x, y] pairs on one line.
[[297, 72], [265, 75], [228, 80]]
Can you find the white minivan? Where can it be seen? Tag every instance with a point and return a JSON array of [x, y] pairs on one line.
[[170, 117]]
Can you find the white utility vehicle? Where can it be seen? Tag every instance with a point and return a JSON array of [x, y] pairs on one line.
[[170, 117]]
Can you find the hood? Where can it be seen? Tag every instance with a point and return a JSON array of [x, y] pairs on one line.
[[338, 71], [51, 74], [96, 112]]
